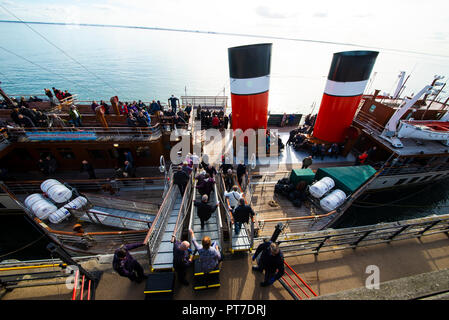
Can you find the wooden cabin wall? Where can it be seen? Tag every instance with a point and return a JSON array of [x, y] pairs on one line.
[[380, 114], [69, 155]]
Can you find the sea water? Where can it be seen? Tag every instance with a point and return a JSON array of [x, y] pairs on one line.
[[100, 62]]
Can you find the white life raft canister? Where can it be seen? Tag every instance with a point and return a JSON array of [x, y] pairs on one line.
[[319, 188], [333, 200]]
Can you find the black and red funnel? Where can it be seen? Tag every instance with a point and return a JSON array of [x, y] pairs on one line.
[[249, 71], [346, 82]]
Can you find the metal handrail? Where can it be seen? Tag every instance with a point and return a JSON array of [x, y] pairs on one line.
[[192, 207], [249, 228], [314, 242], [220, 223], [249, 231], [184, 209], [300, 279], [225, 203], [142, 130], [89, 184], [155, 232]]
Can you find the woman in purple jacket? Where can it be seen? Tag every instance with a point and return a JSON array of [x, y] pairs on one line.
[[126, 265]]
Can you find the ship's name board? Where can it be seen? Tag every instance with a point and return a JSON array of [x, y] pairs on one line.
[[60, 135]]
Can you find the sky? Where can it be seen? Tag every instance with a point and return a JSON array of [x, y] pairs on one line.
[[412, 25]]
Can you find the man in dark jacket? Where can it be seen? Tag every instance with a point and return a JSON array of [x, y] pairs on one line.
[[173, 103], [225, 166], [211, 170], [26, 121], [126, 265], [241, 215], [86, 166], [142, 121], [206, 186], [271, 260], [241, 171], [154, 107], [131, 121], [182, 259], [129, 170], [306, 162], [181, 178], [204, 210]]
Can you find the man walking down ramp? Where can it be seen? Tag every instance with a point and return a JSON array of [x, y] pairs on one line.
[[271, 261]]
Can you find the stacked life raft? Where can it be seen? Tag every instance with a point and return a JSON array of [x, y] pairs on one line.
[[45, 206]]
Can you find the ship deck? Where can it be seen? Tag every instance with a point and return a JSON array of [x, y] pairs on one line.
[[264, 180], [411, 147]]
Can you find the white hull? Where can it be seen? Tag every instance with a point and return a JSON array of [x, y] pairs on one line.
[[405, 180]]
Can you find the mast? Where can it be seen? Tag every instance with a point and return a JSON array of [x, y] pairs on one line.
[[400, 84]]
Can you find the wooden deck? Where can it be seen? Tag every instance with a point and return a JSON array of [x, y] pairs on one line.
[[263, 193]]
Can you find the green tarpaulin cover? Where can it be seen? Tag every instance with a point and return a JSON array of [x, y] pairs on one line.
[[348, 179], [297, 175]]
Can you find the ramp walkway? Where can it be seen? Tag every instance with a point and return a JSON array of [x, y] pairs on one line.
[[119, 213], [241, 241], [164, 255], [213, 226], [120, 218], [168, 226]]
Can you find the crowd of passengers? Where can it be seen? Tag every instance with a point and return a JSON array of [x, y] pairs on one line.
[[213, 119], [138, 114]]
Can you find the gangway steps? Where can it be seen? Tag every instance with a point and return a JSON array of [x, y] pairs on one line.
[[211, 228], [164, 257], [240, 242]]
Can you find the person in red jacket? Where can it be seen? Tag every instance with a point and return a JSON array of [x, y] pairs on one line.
[[215, 122], [362, 158]]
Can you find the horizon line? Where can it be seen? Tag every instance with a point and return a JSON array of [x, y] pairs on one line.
[[221, 33]]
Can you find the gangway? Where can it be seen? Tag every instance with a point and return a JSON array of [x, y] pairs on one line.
[[167, 225], [243, 240], [213, 229], [164, 255], [119, 213]]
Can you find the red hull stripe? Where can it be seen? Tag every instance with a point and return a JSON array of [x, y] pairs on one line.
[[250, 85]]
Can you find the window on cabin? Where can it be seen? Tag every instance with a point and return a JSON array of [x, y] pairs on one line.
[[66, 153], [143, 152], [43, 153], [113, 153], [97, 154], [23, 154]]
